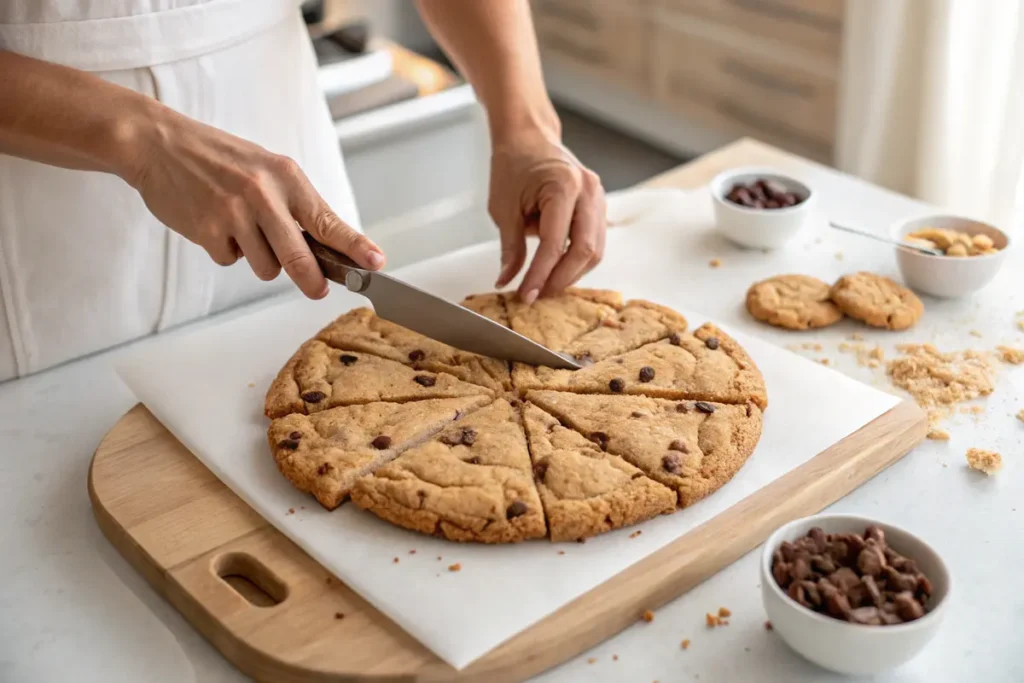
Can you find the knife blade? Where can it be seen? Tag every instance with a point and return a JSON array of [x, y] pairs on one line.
[[434, 316]]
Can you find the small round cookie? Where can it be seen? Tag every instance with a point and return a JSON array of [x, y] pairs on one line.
[[877, 301], [795, 302]]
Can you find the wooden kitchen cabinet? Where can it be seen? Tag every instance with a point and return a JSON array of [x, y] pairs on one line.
[[692, 74]]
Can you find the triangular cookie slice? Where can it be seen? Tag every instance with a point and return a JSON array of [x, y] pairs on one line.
[[557, 321], [639, 322], [325, 453], [490, 305], [473, 482], [693, 447], [707, 365], [319, 377], [361, 330], [586, 491]]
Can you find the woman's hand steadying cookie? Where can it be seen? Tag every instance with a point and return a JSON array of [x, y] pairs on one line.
[[539, 188], [236, 199]]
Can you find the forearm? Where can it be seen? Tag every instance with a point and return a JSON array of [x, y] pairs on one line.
[[492, 43], [63, 117]]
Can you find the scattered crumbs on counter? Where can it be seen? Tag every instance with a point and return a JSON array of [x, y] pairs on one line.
[[438, 558], [291, 511], [1020, 415], [561, 552], [581, 540], [715, 263], [339, 615], [976, 333], [591, 660], [768, 626], [685, 644], [457, 567], [635, 533], [1008, 354], [252, 385], [987, 462], [1020, 325], [825, 361], [812, 346], [395, 561], [412, 552], [724, 612], [647, 616], [710, 620], [972, 410], [856, 336], [938, 435], [615, 658]]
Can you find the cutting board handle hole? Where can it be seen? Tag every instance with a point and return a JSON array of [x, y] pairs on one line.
[[251, 579]]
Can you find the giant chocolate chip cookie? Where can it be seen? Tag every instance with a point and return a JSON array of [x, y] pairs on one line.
[[452, 444]]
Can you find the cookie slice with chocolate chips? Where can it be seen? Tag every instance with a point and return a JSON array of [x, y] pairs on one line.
[[319, 377], [557, 321], [361, 330], [472, 482], [639, 322], [323, 454], [692, 447], [586, 491], [707, 365]]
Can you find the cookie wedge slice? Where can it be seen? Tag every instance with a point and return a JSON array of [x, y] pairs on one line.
[[361, 330], [473, 482], [707, 365], [692, 447], [557, 321], [323, 454], [586, 491], [319, 377]]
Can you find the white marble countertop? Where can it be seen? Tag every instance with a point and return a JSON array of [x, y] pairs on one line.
[[72, 609]]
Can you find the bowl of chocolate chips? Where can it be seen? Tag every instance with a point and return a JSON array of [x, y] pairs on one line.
[[851, 594], [760, 208]]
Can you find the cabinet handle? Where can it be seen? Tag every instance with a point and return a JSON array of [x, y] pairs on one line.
[[792, 14]]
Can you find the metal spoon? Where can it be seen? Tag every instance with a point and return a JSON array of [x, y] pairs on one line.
[[896, 243]]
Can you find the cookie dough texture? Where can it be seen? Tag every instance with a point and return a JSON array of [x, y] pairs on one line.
[[448, 443], [877, 301], [795, 302]]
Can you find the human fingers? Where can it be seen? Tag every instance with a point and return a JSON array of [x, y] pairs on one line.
[[556, 203], [258, 253], [585, 238]]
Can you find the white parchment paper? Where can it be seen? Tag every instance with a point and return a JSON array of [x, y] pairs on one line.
[[207, 386]]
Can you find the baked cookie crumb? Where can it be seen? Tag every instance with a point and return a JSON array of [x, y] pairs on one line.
[[936, 378], [591, 660], [647, 616], [988, 462], [723, 612], [975, 333], [685, 644], [457, 567], [615, 658], [1020, 415], [714, 263], [635, 533], [1008, 354], [768, 626], [395, 561], [825, 361], [938, 435]]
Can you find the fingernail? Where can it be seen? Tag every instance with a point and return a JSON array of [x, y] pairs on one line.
[[530, 296], [375, 258]]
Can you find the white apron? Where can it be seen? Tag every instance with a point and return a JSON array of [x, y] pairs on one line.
[[83, 264]]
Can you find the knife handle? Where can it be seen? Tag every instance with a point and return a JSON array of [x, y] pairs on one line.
[[337, 266]]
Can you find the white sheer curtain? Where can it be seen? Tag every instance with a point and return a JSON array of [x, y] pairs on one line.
[[932, 103]]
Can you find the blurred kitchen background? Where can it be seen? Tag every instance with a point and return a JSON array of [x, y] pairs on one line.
[[921, 96]]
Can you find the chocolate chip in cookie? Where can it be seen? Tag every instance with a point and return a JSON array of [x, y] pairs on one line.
[[601, 439], [679, 445], [540, 469], [473, 461], [646, 373], [295, 435], [711, 343], [348, 359], [290, 444], [381, 442], [425, 380], [682, 408], [324, 469], [416, 355], [617, 385], [313, 396], [704, 407], [517, 509], [674, 339], [671, 463], [636, 413]]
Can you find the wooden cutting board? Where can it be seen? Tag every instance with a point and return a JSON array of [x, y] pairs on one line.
[[279, 616]]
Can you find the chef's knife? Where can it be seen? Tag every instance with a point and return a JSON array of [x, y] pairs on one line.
[[433, 316]]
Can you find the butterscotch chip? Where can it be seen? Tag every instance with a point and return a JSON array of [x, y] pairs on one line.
[[795, 302], [988, 462], [877, 301]]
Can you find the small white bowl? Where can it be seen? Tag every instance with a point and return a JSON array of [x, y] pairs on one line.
[[839, 645], [949, 276], [759, 228]]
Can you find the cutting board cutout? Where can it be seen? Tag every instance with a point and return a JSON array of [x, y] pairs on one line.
[[279, 616]]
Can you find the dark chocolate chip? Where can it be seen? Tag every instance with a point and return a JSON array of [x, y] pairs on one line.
[[313, 396], [474, 460], [324, 469], [290, 444], [636, 413], [347, 359], [679, 445], [704, 407], [671, 463], [711, 343], [674, 339], [381, 442], [468, 436], [425, 380], [601, 439], [540, 469], [682, 408], [416, 355], [516, 509], [646, 373], [295, 435], [617, 385]]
